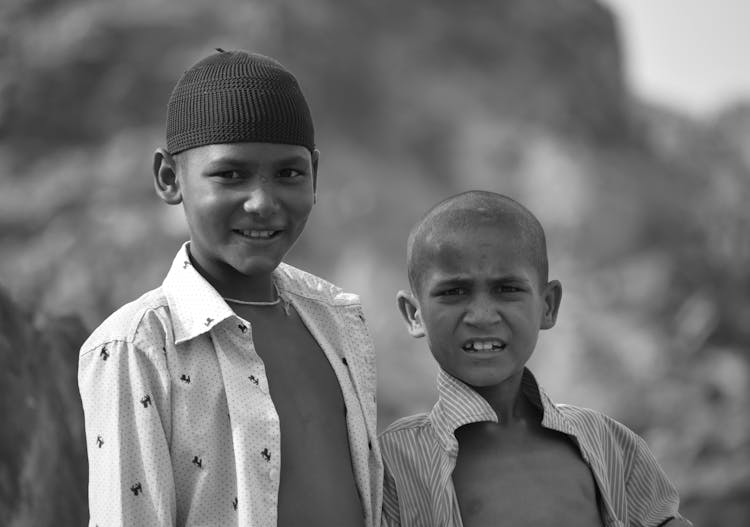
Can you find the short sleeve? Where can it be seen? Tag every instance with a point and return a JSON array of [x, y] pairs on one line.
[[652, 499], [125, 395]]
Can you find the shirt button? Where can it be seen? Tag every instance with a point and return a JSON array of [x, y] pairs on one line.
[[273, 473]]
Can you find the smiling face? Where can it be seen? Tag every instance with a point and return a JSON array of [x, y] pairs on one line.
[[480, 302], [246, 204]]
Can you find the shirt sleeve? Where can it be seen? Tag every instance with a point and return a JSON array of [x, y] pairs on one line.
[[391, 514], [652, 499], [125, 395]]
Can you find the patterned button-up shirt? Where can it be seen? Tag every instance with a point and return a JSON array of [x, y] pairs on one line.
[[180, 425], [419, 453]]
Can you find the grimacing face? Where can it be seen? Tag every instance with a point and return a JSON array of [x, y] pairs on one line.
[[481, 305], [246, 204]]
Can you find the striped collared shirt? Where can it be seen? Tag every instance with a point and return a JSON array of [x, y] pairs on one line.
[[419, 453], [180, 425]]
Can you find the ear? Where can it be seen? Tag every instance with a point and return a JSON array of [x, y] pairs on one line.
[[552, 295], [315, 157], [165, 177], [409, 309]]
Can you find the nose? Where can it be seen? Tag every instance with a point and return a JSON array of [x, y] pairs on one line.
[[260, 199], [482, 311]]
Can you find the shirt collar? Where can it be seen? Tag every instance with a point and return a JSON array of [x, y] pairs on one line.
[[295, 282], [195, 306], [459, 404]]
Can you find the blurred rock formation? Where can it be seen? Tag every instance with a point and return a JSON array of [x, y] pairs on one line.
[[43, 467]]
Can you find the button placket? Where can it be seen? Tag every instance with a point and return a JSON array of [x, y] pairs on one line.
[[257, 381], [256, 375]]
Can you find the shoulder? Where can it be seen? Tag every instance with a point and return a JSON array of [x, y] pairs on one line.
[[146, 314], [596, 422], [608, 438], [301, 283]]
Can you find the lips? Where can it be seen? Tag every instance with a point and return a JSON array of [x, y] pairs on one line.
[[483, 345]]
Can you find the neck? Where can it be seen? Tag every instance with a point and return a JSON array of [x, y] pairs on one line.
[[507, 400], [255, 288], [263, 292]]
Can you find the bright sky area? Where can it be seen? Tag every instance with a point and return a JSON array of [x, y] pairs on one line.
[[692, 55]]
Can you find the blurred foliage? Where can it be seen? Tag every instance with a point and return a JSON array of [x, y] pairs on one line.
[[644, 208]]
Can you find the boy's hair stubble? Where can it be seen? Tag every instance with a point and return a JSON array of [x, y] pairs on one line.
[[465, 211]]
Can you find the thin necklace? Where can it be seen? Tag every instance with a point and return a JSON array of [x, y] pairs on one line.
[[249, 303]]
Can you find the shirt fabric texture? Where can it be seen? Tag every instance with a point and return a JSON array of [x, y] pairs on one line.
[[419, 454], [180, 425]]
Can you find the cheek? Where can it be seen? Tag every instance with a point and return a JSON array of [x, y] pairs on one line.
[[215, 206], [439, 323], [302, 205], [207, 214], [302, 214], [445, 316]]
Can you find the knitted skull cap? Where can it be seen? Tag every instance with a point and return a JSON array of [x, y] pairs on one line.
[[236, 96]]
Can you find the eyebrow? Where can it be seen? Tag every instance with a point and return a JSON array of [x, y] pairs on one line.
[[453, 280], [294, 159], [466, 279], [230, 161]]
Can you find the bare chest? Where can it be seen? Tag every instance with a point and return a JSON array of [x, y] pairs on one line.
[[317, 485], [535, 479], [302, 382]]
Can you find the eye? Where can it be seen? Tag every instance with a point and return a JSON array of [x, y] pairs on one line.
[[510, 289], [227, 174], [453, 291], [290, 173]]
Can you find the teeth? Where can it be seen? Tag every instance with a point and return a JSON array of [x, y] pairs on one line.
[[257, 234], [483, 346]]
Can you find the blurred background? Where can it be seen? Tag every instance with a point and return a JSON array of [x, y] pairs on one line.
[[625, 126]]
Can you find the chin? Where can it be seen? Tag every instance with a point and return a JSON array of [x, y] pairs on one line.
[[482, 379], [482, 383], [257, 266]]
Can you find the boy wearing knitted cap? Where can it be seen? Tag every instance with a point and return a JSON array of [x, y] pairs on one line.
[[495, 450], [242, 390]]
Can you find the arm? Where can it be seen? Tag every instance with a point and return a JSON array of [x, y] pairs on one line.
[[125, 398]]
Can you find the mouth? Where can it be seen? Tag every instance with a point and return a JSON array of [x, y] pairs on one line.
[[483, 345], [257, 234]]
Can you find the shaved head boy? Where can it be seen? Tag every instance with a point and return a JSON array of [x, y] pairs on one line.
[[495, 449], [468, 211]]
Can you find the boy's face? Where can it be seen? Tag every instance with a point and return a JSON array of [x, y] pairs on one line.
[[246, 204], [481, 305]]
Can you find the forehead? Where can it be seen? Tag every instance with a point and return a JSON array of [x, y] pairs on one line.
[[244, 153], [481, 249]]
